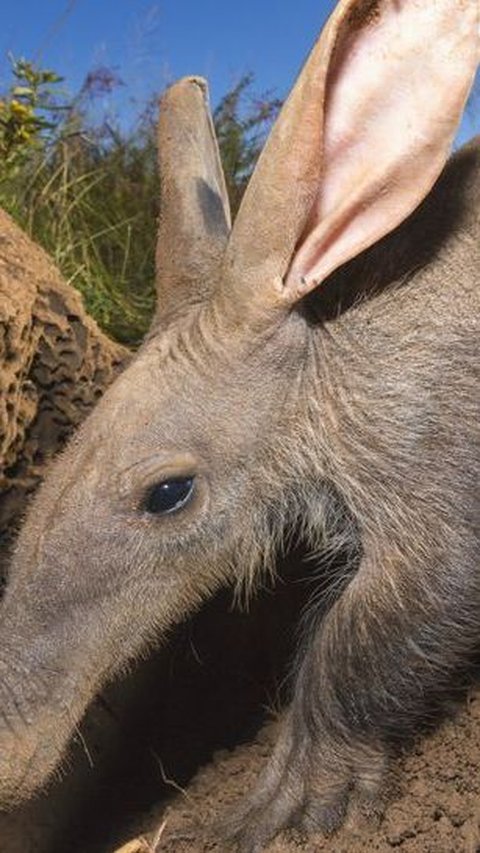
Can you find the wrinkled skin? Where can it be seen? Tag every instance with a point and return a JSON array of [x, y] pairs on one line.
[[350, 409]]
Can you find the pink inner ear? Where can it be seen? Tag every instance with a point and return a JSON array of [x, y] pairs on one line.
[[395, 92]]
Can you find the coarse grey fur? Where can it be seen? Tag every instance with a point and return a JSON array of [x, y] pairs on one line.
[[352, 412], [395, 422]]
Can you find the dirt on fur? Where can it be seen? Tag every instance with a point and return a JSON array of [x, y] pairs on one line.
[[436, 808]]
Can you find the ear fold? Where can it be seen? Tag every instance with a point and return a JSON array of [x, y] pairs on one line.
[[194, 210], [359, 143]]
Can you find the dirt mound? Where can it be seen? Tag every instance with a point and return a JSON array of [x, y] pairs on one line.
[[54, 364]]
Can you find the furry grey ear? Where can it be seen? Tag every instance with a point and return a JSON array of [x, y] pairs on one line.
[[194, 210]]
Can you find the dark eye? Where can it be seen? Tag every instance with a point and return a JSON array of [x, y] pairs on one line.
[[169, 495]]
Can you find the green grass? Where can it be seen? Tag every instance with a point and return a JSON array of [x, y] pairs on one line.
[[88, 192]]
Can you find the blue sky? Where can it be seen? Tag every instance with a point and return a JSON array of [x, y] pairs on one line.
[[151, 44]]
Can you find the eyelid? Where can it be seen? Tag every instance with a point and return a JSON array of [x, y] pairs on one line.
[[155, 468]]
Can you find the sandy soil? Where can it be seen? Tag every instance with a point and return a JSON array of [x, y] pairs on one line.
[[436, 810]]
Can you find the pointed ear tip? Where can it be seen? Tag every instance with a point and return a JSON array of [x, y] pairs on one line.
[[184, 86]]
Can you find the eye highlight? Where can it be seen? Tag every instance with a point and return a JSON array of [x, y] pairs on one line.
[[168, 496]]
